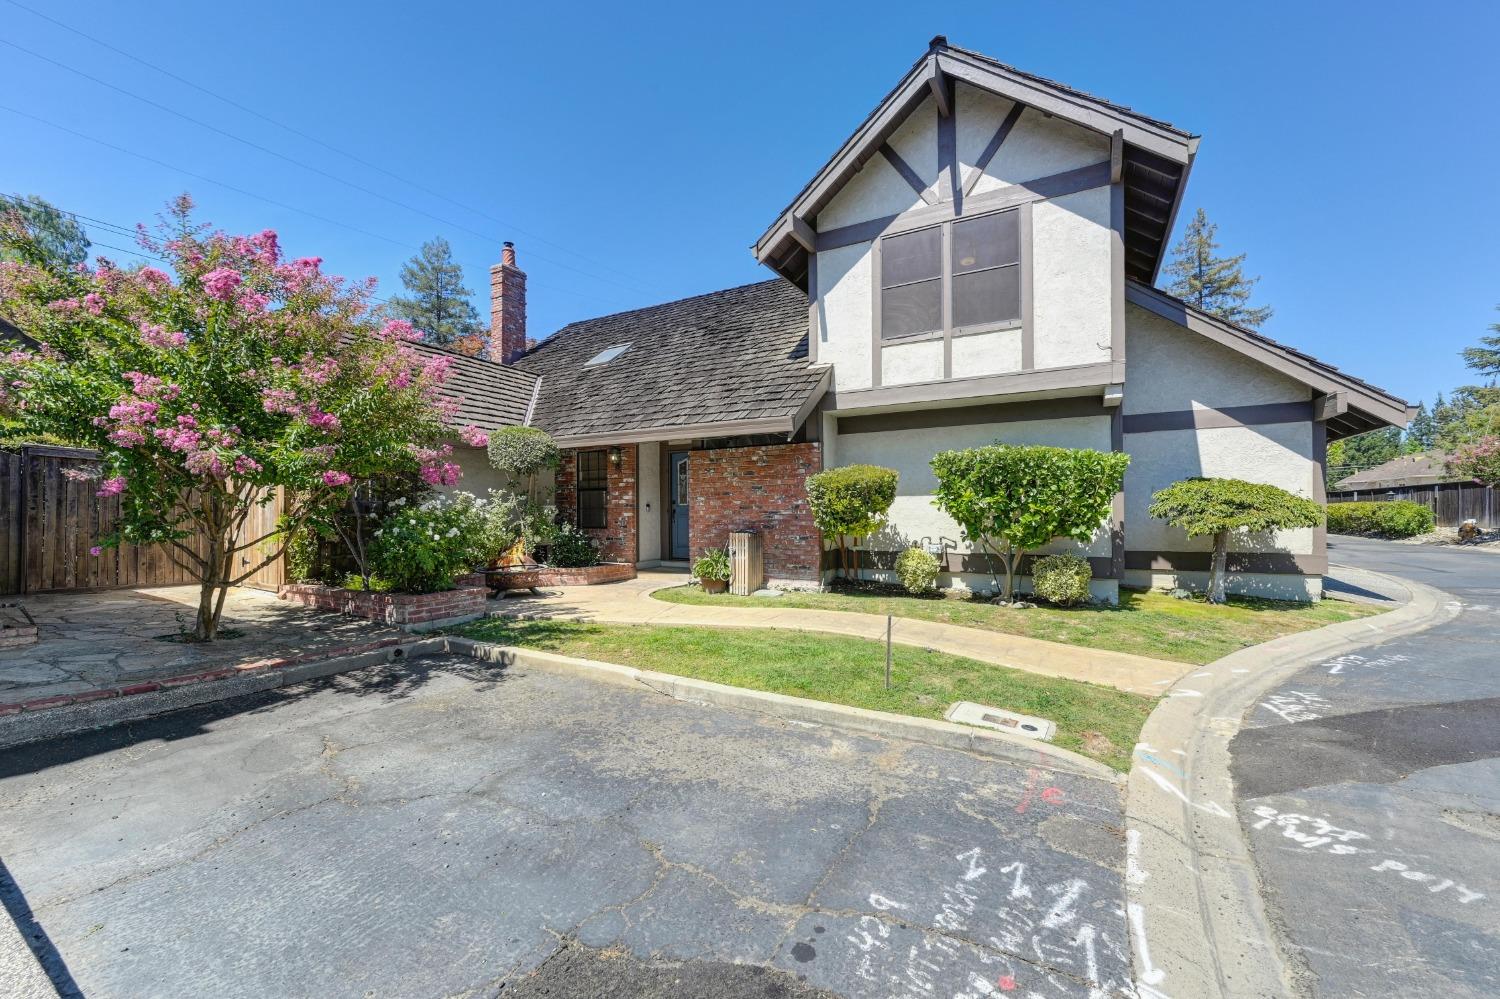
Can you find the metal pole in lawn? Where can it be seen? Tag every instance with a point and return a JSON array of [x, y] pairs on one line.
[[888, 652]]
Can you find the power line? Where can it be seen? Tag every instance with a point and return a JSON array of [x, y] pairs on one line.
[[239, 190], [303, 135]]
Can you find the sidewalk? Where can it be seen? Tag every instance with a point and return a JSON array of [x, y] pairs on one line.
[[630, 602]]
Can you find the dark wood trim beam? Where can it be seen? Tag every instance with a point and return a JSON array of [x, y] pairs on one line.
[[1081, 379], [942, 91], [993, 146], [1330, 405], [805, 235], [1066, 408], [907, 173], [1266, 562], [1117, 156], [1214, 419]]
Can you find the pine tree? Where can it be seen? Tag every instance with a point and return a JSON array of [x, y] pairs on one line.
[[1215, 284], [58, 235], [1485, 358], [1421, 433], [439, 304]]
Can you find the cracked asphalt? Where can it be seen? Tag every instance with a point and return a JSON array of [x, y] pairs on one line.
[[452, 829], [1369, 789]]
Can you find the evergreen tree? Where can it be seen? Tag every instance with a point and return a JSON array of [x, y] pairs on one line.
[[439, 303], [1215, 284], [1485, 358], [1421, 434], [59, 237], [1471, 412]]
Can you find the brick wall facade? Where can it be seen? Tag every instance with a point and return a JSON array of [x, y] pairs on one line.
[[619, 539], [760, 489]]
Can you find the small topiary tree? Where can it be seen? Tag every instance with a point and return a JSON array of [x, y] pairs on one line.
[[851, 502], [1062, 579], [523, 453], [1221, 507], [918, 569], [1011, 499]]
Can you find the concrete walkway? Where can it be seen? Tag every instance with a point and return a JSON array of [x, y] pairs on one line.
[[631, 603]]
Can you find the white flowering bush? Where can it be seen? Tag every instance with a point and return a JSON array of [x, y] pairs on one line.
[[419, 549]]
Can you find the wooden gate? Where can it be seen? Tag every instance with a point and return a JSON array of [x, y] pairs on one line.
[[50, 516]]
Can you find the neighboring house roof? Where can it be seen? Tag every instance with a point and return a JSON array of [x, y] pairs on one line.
[[1155, 157], [1355, 406], [728, 363], [11, 333], [490, 395], [1407, 470]]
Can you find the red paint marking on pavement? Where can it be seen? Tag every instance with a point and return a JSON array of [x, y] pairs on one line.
[[1031, 778], [1006, 983], [1053, 795]]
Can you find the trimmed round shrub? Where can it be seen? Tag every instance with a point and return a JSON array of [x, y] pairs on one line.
[[851, 502], [1062, 579], [1386, 519], [570, 548], [918, 569]]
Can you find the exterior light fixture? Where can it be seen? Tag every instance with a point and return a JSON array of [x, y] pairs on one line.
[[614, 456]]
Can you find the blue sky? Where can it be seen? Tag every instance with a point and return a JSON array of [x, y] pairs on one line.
[[634, 151]]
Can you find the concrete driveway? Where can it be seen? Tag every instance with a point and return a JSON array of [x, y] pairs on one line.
[[1369, 789], [451, 829]]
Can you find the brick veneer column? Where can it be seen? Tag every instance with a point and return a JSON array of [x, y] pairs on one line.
[[758, 489], [619, 539]]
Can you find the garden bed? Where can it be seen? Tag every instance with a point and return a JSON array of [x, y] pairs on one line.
[[464, 602], [589, 575]]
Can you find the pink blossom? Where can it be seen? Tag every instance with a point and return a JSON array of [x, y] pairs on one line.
[[154, 279], [278, 400], [245, 465], [473, 436], [253, 301], [64, 305], [327, 422], [158, 337], [205, 463], [126, 437], [400, 329], [94, 303], [267, 247], [96, 550], [112, 487], [333, 478], [221, 282]]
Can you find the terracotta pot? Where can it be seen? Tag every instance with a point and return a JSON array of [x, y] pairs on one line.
[[715, 585]]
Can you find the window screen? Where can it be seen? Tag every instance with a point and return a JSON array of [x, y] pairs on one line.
[[986, 269], [911, 283], [593, 488]]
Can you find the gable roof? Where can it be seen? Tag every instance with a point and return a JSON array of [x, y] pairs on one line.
[[1356, 405], [1406, 470], [490, 395], [1155, 156], [727, 363]]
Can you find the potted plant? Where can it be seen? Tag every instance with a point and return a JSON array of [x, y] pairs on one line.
[[712, 570]]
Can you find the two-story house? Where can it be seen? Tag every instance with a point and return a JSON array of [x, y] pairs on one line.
[[974, 264]]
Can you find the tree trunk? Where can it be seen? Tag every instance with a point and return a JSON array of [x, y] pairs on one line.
[[1216, 579], [215, 582], [1012, 562]]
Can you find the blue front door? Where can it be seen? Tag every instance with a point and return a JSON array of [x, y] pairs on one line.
[[678, 516]]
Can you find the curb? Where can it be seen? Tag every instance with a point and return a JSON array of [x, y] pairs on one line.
[[1189, 875], [50, 717], [947, 735]]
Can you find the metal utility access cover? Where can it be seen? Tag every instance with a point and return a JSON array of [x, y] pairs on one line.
[[969, 713]]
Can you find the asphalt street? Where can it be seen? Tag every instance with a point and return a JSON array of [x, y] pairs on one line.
[[448, 829], [1369, 789]]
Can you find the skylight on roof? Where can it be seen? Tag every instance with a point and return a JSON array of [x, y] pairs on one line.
[[607, 354]]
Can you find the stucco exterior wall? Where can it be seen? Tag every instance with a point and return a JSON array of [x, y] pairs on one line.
[[987, 353], [1071, 279], [1038, 146], [1172, 369], [846, 314], [648, 472], [914, 519], [904, 363]]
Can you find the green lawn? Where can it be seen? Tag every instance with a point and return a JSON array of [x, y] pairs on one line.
[[1096, 721], [1146, 623]]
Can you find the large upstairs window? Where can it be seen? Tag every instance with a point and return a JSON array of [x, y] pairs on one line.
[[973, 265]]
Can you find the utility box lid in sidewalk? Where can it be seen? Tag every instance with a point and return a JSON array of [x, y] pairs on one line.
[[747, 563], [969, 713]]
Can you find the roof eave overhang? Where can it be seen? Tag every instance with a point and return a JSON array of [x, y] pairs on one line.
[[1359, 407], [784, 246]]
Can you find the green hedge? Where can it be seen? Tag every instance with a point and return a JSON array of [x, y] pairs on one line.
[[1389, 519]]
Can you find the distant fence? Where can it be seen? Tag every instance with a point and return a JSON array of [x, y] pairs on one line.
[[1451, 502], [50, 516]]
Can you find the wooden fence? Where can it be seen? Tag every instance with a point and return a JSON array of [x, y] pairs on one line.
[[50, 517], [1451, 502]]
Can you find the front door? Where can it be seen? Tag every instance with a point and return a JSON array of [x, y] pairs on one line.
[[677, 517]]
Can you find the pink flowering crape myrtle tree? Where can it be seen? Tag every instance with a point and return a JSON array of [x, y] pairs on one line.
[[208, 385]]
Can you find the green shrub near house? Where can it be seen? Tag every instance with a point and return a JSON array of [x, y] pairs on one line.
[[918, 569], [1382, 519], [1062, 579], [851, 502]]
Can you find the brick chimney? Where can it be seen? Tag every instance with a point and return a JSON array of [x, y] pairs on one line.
[[507, 308]]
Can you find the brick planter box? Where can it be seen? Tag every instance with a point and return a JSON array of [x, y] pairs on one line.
[[520, 579], [412, 611]]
